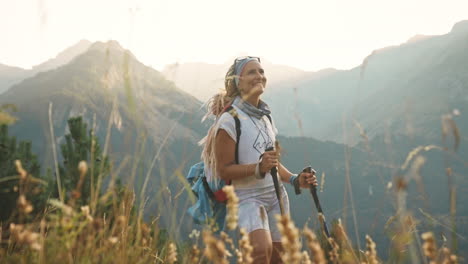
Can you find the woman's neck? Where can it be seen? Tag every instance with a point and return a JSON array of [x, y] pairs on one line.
[[253, 100]]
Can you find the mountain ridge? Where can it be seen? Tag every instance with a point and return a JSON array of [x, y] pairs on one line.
[[379, 93], [104, 80], [63, 58]]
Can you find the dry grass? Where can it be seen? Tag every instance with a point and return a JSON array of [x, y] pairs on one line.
[[314, 246], [68, 233], [290, 239], [232, 207]]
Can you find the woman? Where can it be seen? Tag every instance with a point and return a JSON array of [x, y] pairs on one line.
[[258, 204]]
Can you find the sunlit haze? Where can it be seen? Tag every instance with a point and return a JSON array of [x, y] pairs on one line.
[[306, 34]]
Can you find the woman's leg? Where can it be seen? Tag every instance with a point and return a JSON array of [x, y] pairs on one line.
[[274, 231], [276, 254], [262, 246]]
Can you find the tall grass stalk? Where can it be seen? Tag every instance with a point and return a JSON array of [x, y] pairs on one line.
[[104, 154], [153, 162], [92, 159], [348, 184], [54, 151], [449, 127]]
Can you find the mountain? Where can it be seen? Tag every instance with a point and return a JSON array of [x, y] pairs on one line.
[[203, 80], [401, 89], [64, 57], [10, 75], [146, 107], [150, 119], [13, 75]]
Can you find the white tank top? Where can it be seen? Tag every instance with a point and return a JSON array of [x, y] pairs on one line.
[[256, 136]]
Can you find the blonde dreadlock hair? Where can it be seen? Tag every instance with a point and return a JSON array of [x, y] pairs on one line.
[[215, 107]]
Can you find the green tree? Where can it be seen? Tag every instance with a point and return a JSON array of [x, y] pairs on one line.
[[6, 117], [10, 185], [81, 145]]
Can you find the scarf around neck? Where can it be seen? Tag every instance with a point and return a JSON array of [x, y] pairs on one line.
[[251, 110]]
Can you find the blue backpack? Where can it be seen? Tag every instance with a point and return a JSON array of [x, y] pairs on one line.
[[211, 199]]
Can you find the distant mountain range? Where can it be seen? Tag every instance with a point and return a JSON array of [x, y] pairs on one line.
[[141, 111], [203, 80], [12, 75], [107, 82], [401, 89]]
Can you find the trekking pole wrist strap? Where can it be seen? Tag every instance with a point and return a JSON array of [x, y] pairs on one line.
[[294, 181], [258, 173]]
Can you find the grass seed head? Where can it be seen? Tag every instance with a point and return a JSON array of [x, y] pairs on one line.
[[172, 253], [24, 205], [333, 253], [86, 212], [19, 168], [289, 240], [232, 207], [194, 254], [24, 236], [371, 252], [195, 234], [318, 256], [246, 249], [429, 246], [83, 167], [447, 257], [215, 249], [340, 233], [113, 240], [305, 258], [227, 240]]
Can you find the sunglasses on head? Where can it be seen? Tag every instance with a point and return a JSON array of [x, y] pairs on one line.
[[239, 59]]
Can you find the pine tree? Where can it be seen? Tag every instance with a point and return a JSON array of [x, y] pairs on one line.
[[9, 180], [5, 114], [78, 147]]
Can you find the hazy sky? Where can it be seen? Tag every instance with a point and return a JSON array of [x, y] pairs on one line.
[[307, 34]]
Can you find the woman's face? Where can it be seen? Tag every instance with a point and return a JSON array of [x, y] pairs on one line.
[[252, 80]]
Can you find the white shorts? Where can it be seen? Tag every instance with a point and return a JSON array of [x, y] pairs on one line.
[[258, 208]]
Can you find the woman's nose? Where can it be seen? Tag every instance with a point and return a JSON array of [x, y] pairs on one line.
[[260, 75]]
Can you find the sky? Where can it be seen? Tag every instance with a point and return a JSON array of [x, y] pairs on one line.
[[307, 34]]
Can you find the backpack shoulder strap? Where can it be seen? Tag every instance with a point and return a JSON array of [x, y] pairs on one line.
[[207, 188], [269, 118], [232, 111]]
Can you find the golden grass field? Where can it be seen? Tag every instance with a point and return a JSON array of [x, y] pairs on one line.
[[67, 233]]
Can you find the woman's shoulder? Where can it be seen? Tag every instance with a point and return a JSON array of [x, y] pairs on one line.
[[225, 116], [231, 112], [225, 120]]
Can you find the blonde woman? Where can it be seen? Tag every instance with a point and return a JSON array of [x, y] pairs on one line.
[[245, 82]]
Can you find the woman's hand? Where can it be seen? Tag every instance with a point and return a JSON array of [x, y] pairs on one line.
[[269, 160], [307, 178]]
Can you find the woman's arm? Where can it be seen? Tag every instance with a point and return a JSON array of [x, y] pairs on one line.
[[284, 173], [227, 168], [305, 178]]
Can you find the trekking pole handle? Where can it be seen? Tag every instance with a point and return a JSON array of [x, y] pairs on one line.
[[313, 190], [309, 169], [274, 175]]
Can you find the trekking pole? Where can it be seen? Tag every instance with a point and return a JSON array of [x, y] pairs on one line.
[[274, 174], [313, 191]]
